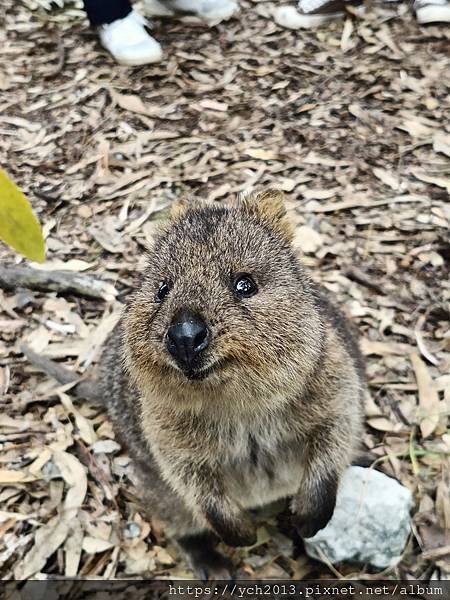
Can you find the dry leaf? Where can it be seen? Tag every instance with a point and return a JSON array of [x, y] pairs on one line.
[[308, 240], [347, 31], [319, 194], [72, 549], [428, 397], [4, 381], [105, 447], [13, 476], [443, 182], [75, 264], [261, 154], [441, 143], [129, 102], [47, 540], [387, 177], [162, 556], [383, 424], [93, 545], [213, 105], [74, 475], [85, 427], [369, 347]]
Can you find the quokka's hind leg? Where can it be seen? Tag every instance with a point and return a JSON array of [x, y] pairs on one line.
[[206, 561]]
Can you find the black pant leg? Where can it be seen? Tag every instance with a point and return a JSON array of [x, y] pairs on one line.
[[100, 12]]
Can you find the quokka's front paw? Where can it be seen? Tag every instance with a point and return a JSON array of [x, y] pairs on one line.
[[237, 531], [313, 510], [244, 535], [308, 523]]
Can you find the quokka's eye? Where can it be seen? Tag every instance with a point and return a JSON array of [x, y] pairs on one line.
[[244, 286], [162, 292]]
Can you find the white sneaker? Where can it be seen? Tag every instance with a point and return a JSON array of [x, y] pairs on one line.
[[210, 11], [432, 11], [128, 41], [310, 14]]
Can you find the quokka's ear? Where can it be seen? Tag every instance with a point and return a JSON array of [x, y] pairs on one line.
[[269, 207], [182, 205]]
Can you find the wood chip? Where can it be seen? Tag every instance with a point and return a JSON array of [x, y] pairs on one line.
[[349, 120]]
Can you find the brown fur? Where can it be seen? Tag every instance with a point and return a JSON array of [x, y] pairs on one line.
[[278, 412]]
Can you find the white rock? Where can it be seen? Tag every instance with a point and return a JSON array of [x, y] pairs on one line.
[[371, 522]]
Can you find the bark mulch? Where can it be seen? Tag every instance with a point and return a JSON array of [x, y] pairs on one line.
[[351, 121]]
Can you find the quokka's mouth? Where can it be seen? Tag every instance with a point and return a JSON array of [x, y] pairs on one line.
[[196, 375], [203, 373]]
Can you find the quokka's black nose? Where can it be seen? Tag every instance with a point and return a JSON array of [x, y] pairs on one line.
[[186, 338]]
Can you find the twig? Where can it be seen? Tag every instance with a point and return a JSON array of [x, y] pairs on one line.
[[358, 276], [436, 552], [65, 282], [412, 452], [84, 389], [367, 203], [419, 338]]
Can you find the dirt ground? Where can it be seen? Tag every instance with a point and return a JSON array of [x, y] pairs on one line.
[[351, 121]]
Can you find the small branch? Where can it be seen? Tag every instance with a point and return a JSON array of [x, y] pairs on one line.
[[64, 282], [435, 553], [358, 276], [84, 389]]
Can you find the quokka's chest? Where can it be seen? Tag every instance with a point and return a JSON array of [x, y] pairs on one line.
[[261, 467]]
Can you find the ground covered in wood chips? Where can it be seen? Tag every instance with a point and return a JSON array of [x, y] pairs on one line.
[[351, 121]]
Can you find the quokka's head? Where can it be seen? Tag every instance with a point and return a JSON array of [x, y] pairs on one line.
[[222, 296]]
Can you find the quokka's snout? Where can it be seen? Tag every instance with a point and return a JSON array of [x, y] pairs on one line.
[[187, 337]]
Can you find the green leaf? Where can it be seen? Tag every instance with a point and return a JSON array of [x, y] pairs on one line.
[[19, 227]]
